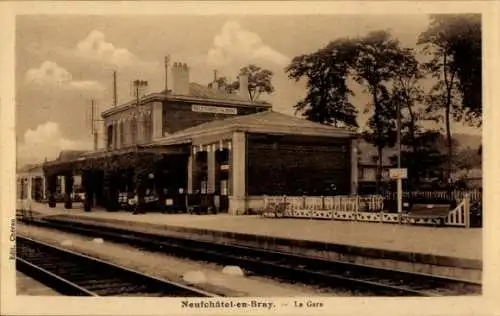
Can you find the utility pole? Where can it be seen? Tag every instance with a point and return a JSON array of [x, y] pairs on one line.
[[399, 179], [94, 131], [115, 97]]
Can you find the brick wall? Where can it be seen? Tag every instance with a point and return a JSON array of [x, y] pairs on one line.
[[297, 166], [178, 116]]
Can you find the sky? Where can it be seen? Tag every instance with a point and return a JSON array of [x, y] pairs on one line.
[[64, 62]]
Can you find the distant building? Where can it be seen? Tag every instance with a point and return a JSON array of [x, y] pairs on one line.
[[368, 164], [31, 183]]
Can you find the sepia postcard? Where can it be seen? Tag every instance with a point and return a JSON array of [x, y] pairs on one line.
[[257, 158]]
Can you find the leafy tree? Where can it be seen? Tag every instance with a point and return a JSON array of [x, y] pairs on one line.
[[458, 37], [422, 155], [379, 58], [448, 41], [371, 61], [326, 70], [467, 159], [259, 81]]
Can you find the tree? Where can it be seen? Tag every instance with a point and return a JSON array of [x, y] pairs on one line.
[[458, 37], [372, 61], [378, 59], [446, 40], [326, 70], [423, 158], [259, 81], [419, 154]]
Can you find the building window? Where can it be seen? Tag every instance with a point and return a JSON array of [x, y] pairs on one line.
[[110, 136], [148, 127], [122, 135], [204, 187], [133, 130], [115, 135], [224, 184]]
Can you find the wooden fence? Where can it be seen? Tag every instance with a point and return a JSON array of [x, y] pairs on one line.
[[456, 195], [355, 208]]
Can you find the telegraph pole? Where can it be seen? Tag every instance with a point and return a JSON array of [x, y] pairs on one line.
[[94, 131], [115, 97], [399, 179]]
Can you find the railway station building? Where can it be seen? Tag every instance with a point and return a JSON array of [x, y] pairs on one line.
[[197, 140]]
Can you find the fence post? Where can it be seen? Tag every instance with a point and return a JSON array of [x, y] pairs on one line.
[[467, 211]]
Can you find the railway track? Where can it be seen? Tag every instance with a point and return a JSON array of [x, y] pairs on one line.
[[363, 279], [74, 274]]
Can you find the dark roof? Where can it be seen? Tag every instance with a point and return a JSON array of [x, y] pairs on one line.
[[265, 119], [69, 155], [30, 168]]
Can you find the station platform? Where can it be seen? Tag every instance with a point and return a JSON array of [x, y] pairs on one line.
[[426, 247]]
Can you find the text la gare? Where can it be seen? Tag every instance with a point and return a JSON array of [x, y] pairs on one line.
[[308, 303]]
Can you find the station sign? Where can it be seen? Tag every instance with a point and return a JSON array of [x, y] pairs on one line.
[[213, 109], [398, 173]]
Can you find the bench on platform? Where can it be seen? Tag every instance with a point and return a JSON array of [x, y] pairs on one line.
[[429, 212], [201, 204]]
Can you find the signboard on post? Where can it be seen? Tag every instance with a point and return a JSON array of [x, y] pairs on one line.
[[398, 173]]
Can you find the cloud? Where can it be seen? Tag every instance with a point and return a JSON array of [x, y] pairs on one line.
[[236, 45], [96, 48], [51, 74], [46, 141]]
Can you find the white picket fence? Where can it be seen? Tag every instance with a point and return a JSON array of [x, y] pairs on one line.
[[354, 208]]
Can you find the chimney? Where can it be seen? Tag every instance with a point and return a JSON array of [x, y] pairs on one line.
[[180, 77], [243, 86], [167, 61], [215, 84]]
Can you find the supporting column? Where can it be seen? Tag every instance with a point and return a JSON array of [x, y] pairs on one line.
[[68, 184], [52, 183], [88, 187], [354, 166], [63, 184], [190, 172], [44, 188], [211, 170], [237, 202], [29, 195]]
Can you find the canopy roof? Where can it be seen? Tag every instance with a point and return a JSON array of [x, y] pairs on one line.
[[262, 122]]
